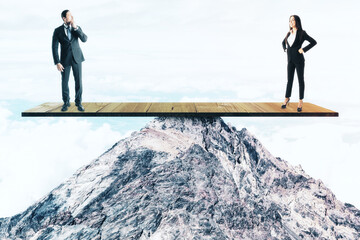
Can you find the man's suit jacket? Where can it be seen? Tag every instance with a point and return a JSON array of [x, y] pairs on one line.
[[69, 48], [293, 51]]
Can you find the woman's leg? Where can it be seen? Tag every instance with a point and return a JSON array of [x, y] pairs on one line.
[[290, 75], [300, 73]]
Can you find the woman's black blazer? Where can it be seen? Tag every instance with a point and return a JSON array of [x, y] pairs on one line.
[[293, 51]]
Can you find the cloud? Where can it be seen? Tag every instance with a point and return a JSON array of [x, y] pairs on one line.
[[37, 155]]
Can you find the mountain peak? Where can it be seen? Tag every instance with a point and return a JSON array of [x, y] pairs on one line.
[[188, 178], [189, 124]]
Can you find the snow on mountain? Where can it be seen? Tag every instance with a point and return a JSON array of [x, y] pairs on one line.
[[187, 178]]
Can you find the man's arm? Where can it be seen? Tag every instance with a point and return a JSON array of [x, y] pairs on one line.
[[55, 48], [55, 52], [80, 34], [78, 31]]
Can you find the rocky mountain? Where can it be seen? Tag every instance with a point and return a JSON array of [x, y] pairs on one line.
[[187, 178]]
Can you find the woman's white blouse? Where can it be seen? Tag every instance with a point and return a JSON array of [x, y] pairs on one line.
[[291, 38]]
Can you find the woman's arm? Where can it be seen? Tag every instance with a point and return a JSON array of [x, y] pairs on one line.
[[284, 41], [311, 41], [284, 45]]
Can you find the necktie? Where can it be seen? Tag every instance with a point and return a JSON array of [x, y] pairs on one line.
[[69, 33]]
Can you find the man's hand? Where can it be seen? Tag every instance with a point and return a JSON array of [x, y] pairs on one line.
[[301, 51], [72, 22], [60, 67]]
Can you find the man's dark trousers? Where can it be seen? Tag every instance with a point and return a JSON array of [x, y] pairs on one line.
[[77, 72]]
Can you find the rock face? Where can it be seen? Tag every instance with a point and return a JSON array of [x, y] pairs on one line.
[[187, 178]]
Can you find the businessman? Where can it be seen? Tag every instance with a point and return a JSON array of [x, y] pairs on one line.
[[71, 57]]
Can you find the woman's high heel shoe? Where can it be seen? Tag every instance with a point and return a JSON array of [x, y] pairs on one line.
[[285, 104], [299, 109]]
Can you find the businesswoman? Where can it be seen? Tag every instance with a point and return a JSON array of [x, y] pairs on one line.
[[295, 55]]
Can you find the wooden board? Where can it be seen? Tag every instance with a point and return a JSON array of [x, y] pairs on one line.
[[191, 109], [171, 107]]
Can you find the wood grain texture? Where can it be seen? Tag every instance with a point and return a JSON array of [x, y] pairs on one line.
[[172, 107], [194, 109], [45, 107]]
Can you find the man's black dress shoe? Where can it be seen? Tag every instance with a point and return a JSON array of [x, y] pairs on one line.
[[80, 107], [65, 106]]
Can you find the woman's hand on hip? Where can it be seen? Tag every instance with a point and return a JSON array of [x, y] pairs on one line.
[[301, 51]]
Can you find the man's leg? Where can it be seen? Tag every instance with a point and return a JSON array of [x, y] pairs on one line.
[[65, 87], [77, 71]]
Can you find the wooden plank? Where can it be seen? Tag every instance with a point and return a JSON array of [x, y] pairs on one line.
[[94, 107], [125, 109], [251, 107], [89, 108], [172, 107], [45, 107], [200, 109], [134, 107], [291, 107], [313, 107], [237, 107], [272, 107], [213, 107], [229, 107], [110, 107]]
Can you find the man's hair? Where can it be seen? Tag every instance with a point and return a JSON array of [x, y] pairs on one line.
[[63, 14]]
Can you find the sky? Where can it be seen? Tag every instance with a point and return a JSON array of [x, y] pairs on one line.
[[161, 50]]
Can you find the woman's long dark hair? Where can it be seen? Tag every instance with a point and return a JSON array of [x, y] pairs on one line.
[[297, 24]]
